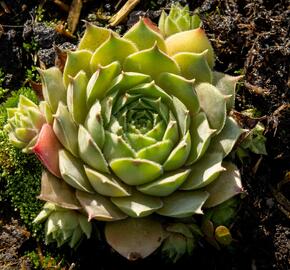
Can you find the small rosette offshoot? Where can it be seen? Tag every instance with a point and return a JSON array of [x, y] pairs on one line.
[[138, 132], [63, 225]]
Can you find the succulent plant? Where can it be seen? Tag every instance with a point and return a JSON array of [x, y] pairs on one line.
[[134, 133]]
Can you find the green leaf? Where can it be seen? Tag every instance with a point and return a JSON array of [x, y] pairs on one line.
[[200, 137], [227, 185], [99, 207], [194, 66], [138, 205], [182, 89], [136, 171], [179, 154], [115, 147], [113, 49], [165, 185], [139, 141], [94, 124], [213, 103], [106, 184], [204, 171], [226, 84], [93, 37], [76, 97], [152, 62], [157, 152], [183, 204], [101, 81], [53, 89], [89, 151], [144, 37], [192, 41], [65, 129], [76, 61], [135, 238], [72, 172]]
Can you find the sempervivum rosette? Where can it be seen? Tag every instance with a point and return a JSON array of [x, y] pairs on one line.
[[139, 131]]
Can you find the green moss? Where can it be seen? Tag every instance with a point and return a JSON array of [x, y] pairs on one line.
[[19, 173]]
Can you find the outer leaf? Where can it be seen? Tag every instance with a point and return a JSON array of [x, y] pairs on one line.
[[204, 171], [200, 133], [138, 205], [53, 89], [226, 139], [76, 61], [65, 129], [180, 88], [46, 149], [144, 37], [213, 104], [113, 49], [226, 84], [145, 60], [100, 81], [90, 152], [93, 37], [99, 207], [73, 172], [57, 191], [225, 187], [183, 204], [166, 185], [136, 171], [194, 66], [106, 184], [76, 97], [135, 238], [194, 41]]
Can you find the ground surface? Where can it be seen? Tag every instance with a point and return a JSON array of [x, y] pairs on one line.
[[249, 38]]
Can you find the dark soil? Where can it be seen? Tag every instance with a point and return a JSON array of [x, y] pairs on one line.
[[249, 37]]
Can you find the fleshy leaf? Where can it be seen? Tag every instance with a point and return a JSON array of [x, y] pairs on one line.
[[100, 81], [226, 84], [135, 238], [157, 152], [165, 185], [46, 149], [90, 152], [106, 184], [94, 124], [136, 171], [99, 207], [227, 185], [72, 172], [53, 89], [66, 129], [76, 97], [194, 66], [226, 139], [115, 147], [57, 191], [194, 41], [93, 37], [113, 49], [213, 103], [152, 62], [139, 141], [180, 88], [204, 171], [138, 205], [144, 37], [183, 204], [179, 154], [200, 137]]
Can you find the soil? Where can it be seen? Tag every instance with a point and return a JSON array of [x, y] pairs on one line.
[[249, 37]]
